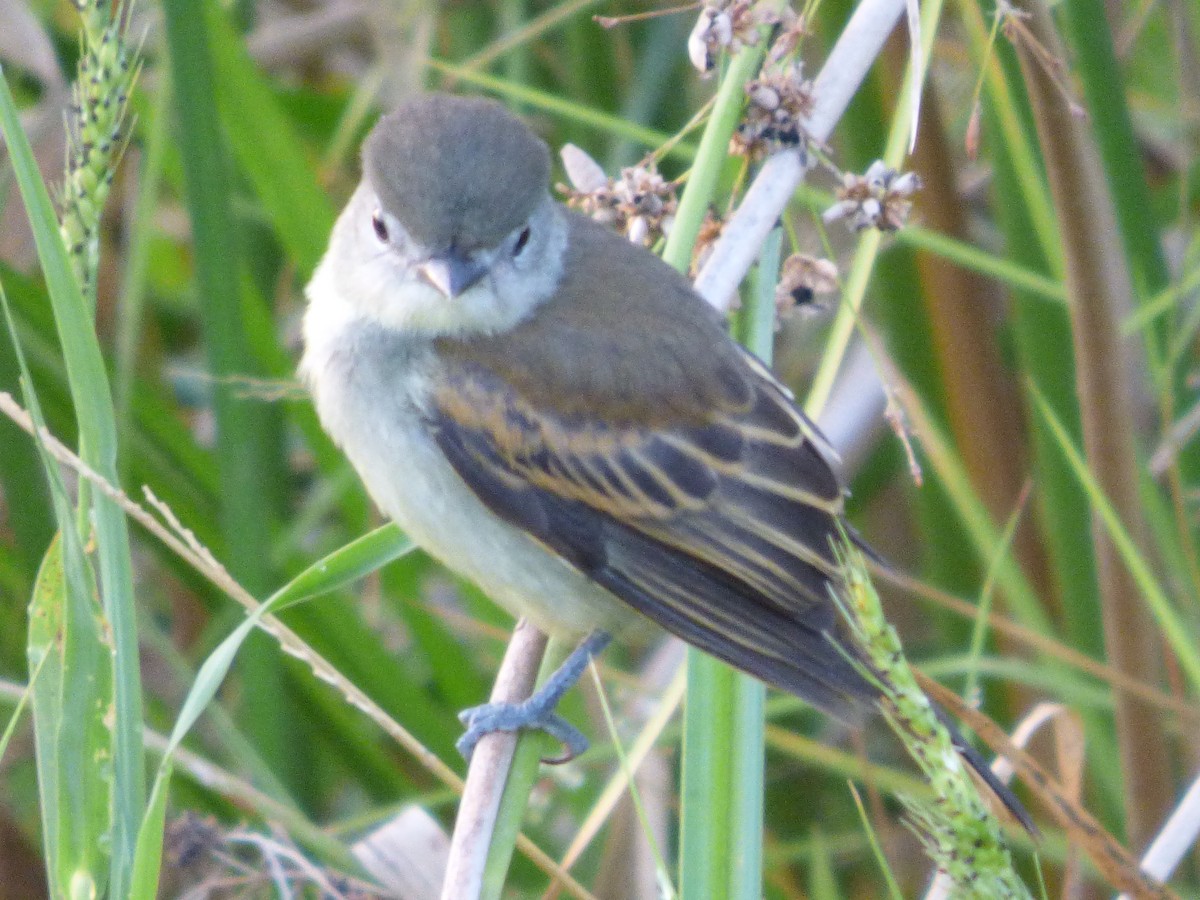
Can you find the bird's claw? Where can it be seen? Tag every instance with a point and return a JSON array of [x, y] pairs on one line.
[[491, 717]]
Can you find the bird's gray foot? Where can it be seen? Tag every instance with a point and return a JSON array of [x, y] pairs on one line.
[[483, 720], [538, 711]]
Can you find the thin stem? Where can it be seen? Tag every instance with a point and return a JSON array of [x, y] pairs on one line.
[[489, 769]]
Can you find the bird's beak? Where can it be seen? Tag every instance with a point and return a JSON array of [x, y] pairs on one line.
[[451, 273]]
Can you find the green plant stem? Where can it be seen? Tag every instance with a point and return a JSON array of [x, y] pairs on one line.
[[1177, 632], [1040, 331], [65, 640], [1095, 62], [93, 405], [611, 125], [1016, 138], [710, 157], [868, 248], [244, 434], [136, 273], [522, 774], [722, 744], [1097, 285], [756, 326]]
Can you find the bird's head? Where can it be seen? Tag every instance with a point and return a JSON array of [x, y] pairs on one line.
[[452, 230]]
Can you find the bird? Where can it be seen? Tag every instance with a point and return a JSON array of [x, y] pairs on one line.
[[555, 414]]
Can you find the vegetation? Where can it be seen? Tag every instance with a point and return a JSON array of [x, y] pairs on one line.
[[1032, 325]]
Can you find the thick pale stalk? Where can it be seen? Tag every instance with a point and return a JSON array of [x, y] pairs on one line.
[[489, 769]]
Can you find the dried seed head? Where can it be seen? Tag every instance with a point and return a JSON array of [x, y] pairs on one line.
[[638, 230], [792, 32], [710, 34], [802, 278], [763, 96], [640, 204], [780, 100], [727, 25], [880, 198]]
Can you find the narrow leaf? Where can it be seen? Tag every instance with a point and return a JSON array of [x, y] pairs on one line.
[[92, 400], [345, 565], [1181, 638], [267, 147]]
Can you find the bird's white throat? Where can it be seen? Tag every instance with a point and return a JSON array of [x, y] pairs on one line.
[[360, 280]]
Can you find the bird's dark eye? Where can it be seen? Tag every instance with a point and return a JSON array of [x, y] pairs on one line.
[[522, 240], [380, 226]]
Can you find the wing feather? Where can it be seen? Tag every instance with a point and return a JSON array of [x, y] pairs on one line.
[[718, 530]]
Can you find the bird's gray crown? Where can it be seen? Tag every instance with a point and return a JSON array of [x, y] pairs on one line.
[[459, 172]]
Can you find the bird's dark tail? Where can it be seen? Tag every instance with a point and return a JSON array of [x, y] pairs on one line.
[[965, 750], [984, 771]]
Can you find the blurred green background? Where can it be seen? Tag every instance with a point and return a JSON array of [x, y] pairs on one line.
[[1048, 277]]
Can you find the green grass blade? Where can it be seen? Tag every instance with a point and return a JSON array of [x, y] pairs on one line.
[[756, 328], [711, 156], [871, 241], [614, 126], [662, 872], [983, 532], [532, 747], [1181, 637], [93, 405], [1001, 269], [84, 740], [147, 859], [356, 560], [348, 564], [268, 148], [1099, 69], [249, 451], [1015, 134], [45, 623], [885, 867], [32, 522], [67, 632], [15, 718], [341, 634]]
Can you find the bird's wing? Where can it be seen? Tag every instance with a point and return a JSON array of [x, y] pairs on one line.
[[719, 530]]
